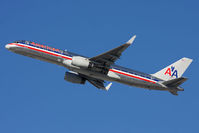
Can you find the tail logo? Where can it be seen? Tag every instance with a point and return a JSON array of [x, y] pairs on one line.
[[171, 72]]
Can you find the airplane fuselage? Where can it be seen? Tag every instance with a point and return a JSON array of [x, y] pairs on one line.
[[64, 58]]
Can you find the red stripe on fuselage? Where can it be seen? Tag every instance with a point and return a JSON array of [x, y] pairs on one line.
[[131, 76], [40, 50], [54, 54]]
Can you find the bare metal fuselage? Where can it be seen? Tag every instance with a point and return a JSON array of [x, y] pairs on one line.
[[115, 73]]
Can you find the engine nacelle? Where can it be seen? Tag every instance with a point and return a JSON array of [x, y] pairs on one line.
[[74, 78], [80, 61]]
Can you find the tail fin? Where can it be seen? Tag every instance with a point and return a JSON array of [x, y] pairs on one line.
[[174, 70]]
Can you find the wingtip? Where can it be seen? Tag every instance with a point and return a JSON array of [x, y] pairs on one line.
[[108, 86], [131, 40]]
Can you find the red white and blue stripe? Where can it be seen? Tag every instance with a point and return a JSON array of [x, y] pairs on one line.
[[69, 57]]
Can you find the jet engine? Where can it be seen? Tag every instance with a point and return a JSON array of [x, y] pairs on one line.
[[74, 78], [80, 61]]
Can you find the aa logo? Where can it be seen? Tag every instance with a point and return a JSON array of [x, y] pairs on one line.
[[171, 72]]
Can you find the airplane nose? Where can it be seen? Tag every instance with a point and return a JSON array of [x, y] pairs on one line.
[[7, 46]]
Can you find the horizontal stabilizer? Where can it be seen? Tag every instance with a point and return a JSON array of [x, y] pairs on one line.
[[175, 82], [174, 92]]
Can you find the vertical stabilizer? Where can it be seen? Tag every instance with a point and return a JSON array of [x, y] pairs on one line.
[[174, 70]]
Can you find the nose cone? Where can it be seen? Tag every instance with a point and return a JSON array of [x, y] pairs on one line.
[[7, 46]]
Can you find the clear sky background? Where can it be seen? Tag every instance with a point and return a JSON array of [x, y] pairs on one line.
[[34, 98]]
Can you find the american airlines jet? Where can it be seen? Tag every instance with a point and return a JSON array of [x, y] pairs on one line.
[[102, 67]]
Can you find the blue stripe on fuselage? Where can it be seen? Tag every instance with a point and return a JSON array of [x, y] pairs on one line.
[[120, 68], [141, 74]]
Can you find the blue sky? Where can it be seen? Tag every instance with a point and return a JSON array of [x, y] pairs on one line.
[[35, 98]]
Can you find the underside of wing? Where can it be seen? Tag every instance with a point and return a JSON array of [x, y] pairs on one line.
[[97, 82]]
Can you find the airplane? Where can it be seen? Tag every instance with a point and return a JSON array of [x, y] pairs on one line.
[[101, 68]]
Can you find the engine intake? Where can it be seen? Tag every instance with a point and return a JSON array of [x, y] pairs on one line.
[[74, 78], [80, 61]]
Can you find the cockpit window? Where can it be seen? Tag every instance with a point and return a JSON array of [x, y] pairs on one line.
[[20, 41], [28, 42], [23, 41]]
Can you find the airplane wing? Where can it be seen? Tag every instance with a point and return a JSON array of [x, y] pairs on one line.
[[111, 56], [99, 84]]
